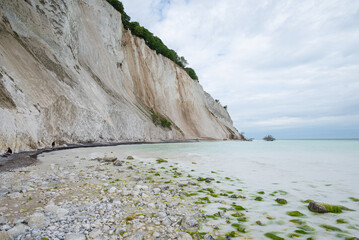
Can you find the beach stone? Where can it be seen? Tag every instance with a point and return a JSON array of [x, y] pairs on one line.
[[208, 237], [109, 159], [184, 236], [55, 210], [17, 230], [137, 236], [189, 223], [117, 163], [37, 220], [3, 220], [316, 207], [166, 222], [5, 227], [156, 190], [130, 158], [120, 230], [95, 234], [72, 236], [4, 235]]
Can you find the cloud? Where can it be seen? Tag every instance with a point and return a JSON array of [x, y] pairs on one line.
[[289, 63]]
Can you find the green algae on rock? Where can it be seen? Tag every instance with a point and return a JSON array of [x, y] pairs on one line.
[[160, 160], [281, 201], [331, 228], [295, 214], [324, 208], [341, 221], [273, 236]]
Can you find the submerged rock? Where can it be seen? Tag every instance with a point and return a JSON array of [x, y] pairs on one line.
[[281, 201]]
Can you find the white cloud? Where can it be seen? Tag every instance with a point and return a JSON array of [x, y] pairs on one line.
[[292, 62]]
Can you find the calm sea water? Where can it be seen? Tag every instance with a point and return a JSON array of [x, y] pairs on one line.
[[321, 170]]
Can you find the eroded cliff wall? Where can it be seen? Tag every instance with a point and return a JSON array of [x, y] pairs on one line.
[[69, 72]]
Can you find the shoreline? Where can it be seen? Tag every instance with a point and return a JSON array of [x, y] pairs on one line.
[[28, 158]]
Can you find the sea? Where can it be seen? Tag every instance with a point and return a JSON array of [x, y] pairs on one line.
[[324, 171]]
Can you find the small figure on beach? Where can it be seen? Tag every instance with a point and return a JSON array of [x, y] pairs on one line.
[[53, 144], [8, 152]]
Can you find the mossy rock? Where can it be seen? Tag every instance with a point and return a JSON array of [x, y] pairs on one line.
[[307, 228], [324, 208], [301, 232], [295, 214], [261, 192], [297, 221], [258, 198], [273, 236], [260, 223], [242, 219], [281, 201], [331, 228], [238, 214], [293, 235], [160, 160], [354, 199], [130, 158], [341, 221], [238, 207]]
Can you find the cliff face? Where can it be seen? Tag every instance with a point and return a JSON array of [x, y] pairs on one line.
[[69, 72]]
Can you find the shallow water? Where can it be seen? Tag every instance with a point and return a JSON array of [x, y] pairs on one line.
[[321, 170]]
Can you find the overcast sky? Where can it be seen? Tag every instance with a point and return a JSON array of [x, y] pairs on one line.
[[286, 68]]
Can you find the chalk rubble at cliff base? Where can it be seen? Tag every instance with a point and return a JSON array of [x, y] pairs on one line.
[[93, 200]]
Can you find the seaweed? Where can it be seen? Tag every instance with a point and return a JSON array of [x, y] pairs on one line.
[[273, 236], [331, 228], [295, 214], [341, 221]]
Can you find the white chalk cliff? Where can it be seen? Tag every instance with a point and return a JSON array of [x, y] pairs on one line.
[[70, 72]]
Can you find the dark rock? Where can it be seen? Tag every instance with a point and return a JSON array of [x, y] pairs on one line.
[[208, 237], [317, 207], [109, 159], [117, 163]]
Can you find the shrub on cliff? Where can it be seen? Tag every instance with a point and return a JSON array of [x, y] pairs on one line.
[[153, 42], [159, 120]]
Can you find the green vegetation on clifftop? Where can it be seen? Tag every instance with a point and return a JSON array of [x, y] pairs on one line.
[[153, 42]]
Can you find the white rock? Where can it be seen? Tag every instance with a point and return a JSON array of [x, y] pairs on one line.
[[156, 190], [112, 190], [17, 230], [37, 220], [72, 236], [4, 235], [184, 236], [55, 210], [95, 234]]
